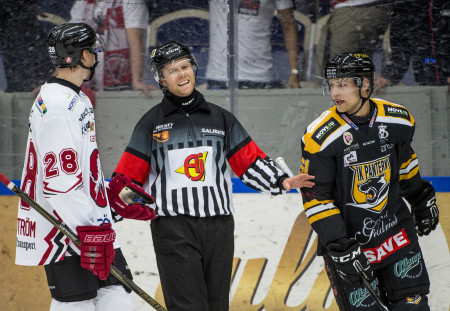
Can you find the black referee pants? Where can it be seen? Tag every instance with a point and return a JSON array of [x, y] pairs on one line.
[[194, 257]]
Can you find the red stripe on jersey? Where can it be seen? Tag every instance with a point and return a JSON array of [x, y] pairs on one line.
[[48, 239], [134, 167], [242, 159]]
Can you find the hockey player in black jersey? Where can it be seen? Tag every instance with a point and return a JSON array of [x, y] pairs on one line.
[[360, 153]]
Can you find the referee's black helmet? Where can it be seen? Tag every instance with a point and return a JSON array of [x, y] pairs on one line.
[[169, 52]]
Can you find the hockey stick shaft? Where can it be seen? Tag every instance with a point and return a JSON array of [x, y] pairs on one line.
[[74, 238], [367, 285], [282, 164]]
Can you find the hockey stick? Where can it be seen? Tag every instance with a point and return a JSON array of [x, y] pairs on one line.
[[74, 238], [357, 265], [282, 164]]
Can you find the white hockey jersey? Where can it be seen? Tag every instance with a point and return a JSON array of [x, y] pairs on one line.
[[254, 46], [62, 172]]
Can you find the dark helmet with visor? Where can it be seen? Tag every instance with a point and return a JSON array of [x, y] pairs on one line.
[[167, 53], [66, 42], [352, 65]]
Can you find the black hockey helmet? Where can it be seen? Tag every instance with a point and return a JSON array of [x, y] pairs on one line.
[[350, 65], [169, 52], [66, 42]]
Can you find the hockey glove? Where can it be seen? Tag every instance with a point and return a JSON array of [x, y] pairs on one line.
[[97, 251], [424, 209], [350, 262], [129, 200]]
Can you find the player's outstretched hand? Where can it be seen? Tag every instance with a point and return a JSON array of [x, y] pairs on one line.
[[344, 256], [97, 250], [298, 181], [129, 200]]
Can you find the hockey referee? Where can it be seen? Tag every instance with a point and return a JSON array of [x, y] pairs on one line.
[[179, 152]]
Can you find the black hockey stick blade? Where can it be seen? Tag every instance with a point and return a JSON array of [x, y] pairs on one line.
[[74, 238], [366, 283]]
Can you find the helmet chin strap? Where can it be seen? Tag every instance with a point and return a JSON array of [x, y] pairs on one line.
[[364, 100], [92, 68]]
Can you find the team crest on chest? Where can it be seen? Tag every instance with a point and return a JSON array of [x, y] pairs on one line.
[[382, 133], [371, 181]]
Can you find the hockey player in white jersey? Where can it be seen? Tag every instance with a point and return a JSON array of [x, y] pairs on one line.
[[62, 172]]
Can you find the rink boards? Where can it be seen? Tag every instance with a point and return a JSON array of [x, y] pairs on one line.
[[275, 266]]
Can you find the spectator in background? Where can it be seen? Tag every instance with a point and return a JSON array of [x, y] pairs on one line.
[[419, 34], [354, 25], [25, 58], [357, 25], [254, 46], [122, 25]]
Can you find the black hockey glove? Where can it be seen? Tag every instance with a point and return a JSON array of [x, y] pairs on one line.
[[424, 209], [350, 262]]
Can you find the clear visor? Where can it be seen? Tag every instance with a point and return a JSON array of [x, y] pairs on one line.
[[339, 86], [177, 66], [98, 46]]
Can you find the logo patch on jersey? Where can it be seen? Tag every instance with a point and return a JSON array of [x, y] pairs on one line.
[[360, 297], [348, 138], [325, 130], [382, 133], [161, 137], [409, 268], [190, 167], [371, 182], [194, 166], [414, 300], [96, 181], [68, 60], [304, 166], [396, 112], [388, 247], [41, 105], [350, 158], [213, 132], [73, 103]]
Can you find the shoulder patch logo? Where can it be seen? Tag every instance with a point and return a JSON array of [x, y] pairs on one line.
[[396, 112], [325, 130], [41, 105]]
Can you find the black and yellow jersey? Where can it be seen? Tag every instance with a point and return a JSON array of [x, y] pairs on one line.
[[361, 171]]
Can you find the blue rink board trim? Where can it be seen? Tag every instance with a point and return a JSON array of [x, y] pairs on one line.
[[440, 183]]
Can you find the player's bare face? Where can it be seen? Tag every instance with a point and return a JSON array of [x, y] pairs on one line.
[[345, 94], [179, 77]]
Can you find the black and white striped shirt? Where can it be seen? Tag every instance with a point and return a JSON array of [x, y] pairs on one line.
[[181, 159]]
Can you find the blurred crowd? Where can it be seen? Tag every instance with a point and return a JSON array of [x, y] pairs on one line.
[[270, 43]]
